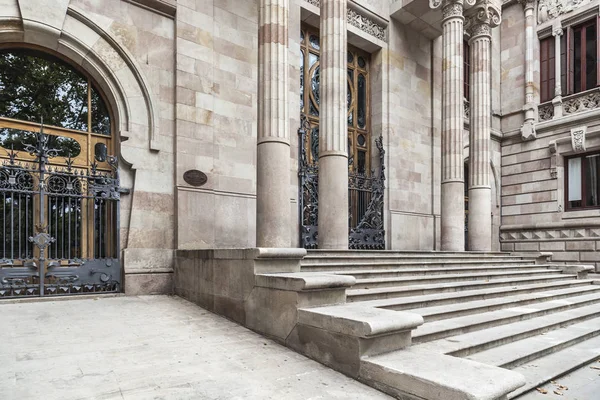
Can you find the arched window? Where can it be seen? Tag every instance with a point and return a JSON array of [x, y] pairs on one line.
[[55, 136], [36, 87]]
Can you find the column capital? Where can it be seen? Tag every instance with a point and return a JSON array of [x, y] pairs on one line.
[[450, 8], [557, 31], [483, 16], [527, 4]]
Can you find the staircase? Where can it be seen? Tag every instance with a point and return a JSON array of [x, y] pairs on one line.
[[491, 308]]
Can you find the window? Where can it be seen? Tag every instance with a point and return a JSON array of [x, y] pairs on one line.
[[547, 69], [579, 60], [583, 181], [36, 87], [359, 142]]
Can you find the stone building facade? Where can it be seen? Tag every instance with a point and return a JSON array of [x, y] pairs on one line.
[[206, 97]]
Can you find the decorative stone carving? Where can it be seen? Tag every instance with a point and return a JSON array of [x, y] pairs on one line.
[[467, 109], [589, 101], [485, 15], [360, 21], [366, 25], [527, 4], [578, 138], [546, 112], [550, 9], [452, 10]]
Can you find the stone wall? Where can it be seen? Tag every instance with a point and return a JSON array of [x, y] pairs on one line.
[[534, 218], [411, 141]]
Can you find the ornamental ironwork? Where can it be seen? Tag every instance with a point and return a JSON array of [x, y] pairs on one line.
[[365, 195], [59, 224]]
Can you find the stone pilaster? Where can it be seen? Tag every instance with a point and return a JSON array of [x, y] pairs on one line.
[[530, 107], [453, 208], [333, 135], [557, 32], [485, 16], [273, 152]]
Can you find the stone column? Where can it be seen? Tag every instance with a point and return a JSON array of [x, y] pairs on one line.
[[452, 196], [273, 152], [530, 107], [333, 135], [557, 32], [485, 17]]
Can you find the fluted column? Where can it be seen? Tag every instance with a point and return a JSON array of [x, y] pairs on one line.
[[453, 206], [530, 107], [273, 152], [484, 18], [333, 135]]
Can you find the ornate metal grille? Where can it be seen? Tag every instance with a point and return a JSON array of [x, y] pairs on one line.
[[59, 225], [365, 194]]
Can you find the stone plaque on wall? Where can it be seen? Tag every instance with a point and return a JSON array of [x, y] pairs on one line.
[[194, 177]]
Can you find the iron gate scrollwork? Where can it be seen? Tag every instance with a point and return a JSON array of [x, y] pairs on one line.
[[365, 195], [60, 224]]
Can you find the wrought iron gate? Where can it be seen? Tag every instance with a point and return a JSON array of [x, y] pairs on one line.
[[60, 223], [365, 195]]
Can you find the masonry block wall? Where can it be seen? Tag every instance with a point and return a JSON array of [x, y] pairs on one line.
[[535, 216]]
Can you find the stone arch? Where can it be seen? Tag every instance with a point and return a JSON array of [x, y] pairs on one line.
[[72, 33]]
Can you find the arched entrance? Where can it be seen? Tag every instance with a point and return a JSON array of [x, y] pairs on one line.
[[59, 185]]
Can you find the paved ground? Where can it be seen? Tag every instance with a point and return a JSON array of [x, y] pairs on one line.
[[581, 384], [155, 347]]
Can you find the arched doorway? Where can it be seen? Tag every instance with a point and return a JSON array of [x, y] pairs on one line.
[[59, 186]]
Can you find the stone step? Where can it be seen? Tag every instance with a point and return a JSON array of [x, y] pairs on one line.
[[438, 299], [437, 313], [416, 253], [384, 260], [370, 283], [473, 342], [372, 265], [457, 326], [414, 374], [553, 366], [385, 293], [523, 351], [397, 272]]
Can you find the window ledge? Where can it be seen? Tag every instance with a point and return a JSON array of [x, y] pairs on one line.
[[581, 213]]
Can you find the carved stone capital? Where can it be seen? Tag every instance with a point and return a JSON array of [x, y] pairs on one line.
[[557, 31], [483, 16], [527, 4], [450, 8]]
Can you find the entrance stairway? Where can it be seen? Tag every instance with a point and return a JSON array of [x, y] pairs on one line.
[[539, 320]]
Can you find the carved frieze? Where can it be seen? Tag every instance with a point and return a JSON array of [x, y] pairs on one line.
[[360, 21], [366, 25], [550, 9]]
